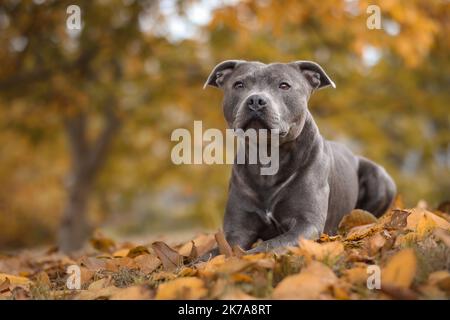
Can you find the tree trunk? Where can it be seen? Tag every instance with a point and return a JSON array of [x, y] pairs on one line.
[[74, 228], [87, 160]]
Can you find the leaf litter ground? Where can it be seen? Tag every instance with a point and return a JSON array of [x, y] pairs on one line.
[[411, 247]]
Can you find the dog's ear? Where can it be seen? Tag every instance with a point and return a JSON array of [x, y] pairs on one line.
[[315, 75], [220, 73]]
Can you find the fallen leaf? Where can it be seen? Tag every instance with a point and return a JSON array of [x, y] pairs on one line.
[[4, 286], [170, 258], [43, 279], [242, 277], [100, 284], [14, 280], [321, 251], [420, 216], [224, 247], [116, 264], [102, 243], [93, 264], [355, 218], [375, 243], [398, 219], [203, 244], [132, 293], [310, 283], [182, 288], [121, 253], [400, 270], [137, 251], [356, 275], [147, 263], [100, 294], [360, 232]]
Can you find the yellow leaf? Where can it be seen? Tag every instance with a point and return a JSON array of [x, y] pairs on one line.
[[355, 218], [310, 283], [419, 218], [182, 288], [137, 251], [357, 275], [400, 269], [321, 251], [203, 243], [100, 284], [132, 293], [103, 293], [121, 253], [14, 280]]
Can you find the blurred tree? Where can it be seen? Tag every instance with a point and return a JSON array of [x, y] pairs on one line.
[[89, 78]]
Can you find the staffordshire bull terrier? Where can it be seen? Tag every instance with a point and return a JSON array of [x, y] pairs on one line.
[[318, 181]]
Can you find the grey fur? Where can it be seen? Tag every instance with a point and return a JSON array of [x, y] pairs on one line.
[[318, 181]]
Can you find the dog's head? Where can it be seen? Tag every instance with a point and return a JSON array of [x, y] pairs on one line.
[[270, 96]]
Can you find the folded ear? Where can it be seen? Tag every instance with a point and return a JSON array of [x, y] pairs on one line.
[[315, 75], [220, 73]]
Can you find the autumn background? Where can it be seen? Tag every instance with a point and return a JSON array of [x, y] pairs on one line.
[[86, 116]]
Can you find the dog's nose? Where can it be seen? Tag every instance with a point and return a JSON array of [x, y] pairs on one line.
[[256, 102]]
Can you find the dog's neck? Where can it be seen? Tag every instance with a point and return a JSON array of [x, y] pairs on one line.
[[293, 155]]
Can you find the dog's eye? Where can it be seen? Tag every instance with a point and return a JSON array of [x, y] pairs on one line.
[[284, 86], [238, 85]]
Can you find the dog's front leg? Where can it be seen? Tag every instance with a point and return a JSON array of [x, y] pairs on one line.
[[289, 238]]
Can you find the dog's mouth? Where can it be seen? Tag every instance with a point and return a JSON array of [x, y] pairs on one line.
[[259, 123], [256, 122]]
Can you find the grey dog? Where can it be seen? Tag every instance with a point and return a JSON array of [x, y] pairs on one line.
[[318, 181]]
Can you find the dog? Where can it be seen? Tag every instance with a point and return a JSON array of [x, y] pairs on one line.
[[318, 181]]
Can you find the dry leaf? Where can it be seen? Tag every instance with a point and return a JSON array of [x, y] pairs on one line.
[[43, 279], [321, 251], [418, 216], [360, 232], [4, 286], [400, 269], [182, 288], [100, 284], [132, 293], [203, 243], [147, 263], [137, 251], [224, 247], [14, 280], [310, 283], [102, 243], [375, 243], [356, 276], [398, 219], [169, 257], [100, 294], [121, 253], [355, 218]]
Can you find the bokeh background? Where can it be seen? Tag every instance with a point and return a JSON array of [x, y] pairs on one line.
[[86, 116]]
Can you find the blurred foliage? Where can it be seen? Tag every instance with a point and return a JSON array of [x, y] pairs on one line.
[[391, 101]]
